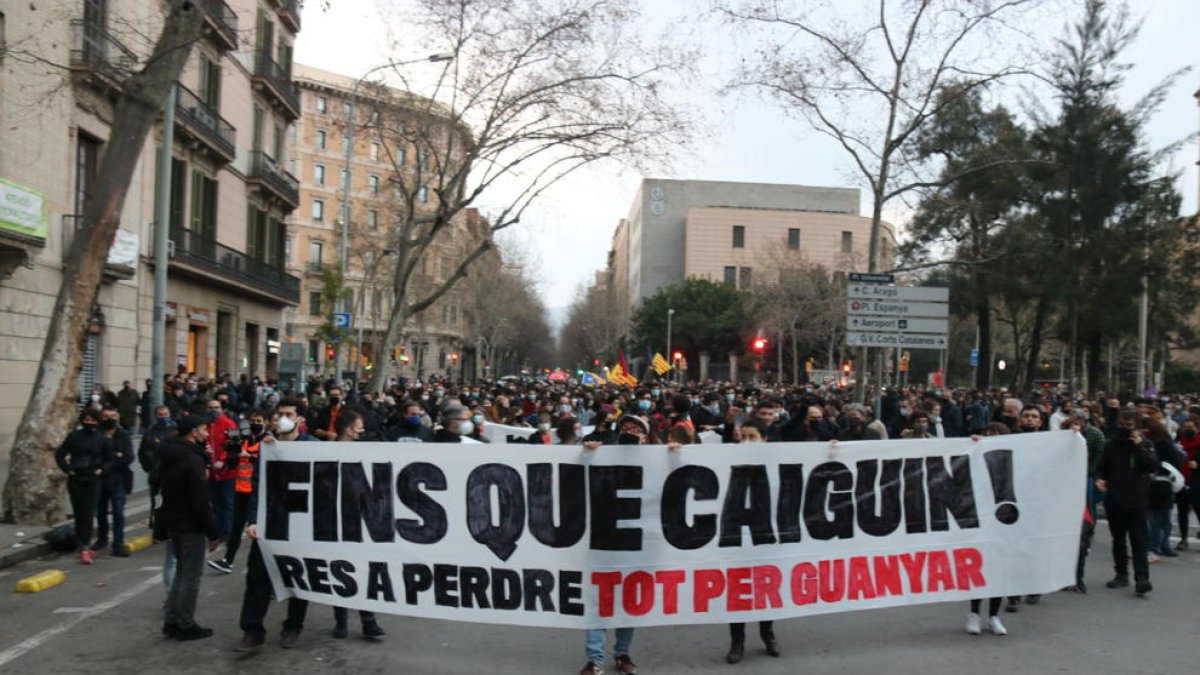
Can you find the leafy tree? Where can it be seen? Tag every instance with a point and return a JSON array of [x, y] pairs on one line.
[[709, 317]]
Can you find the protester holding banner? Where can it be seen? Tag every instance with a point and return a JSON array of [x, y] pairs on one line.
[[1125, 468], [349, 426], [974, 625]]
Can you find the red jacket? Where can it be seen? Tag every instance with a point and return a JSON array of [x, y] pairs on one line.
[[1190, 446], [216, 446]]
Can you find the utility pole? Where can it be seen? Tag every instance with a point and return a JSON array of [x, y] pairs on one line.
[[1143, 327], [162, 224]]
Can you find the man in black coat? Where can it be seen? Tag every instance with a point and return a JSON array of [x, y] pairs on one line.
[[187, 515], [117, 484], [85, 456], [1126, 465]]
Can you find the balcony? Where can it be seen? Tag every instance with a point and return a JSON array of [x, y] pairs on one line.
[[200, 122], [221, 23], [272, 79], [289, 13], [120, 264], [99, 58], [315, 267], [219, 264], [273, 180]]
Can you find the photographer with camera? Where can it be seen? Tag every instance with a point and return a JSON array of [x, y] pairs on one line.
[[244, 459]]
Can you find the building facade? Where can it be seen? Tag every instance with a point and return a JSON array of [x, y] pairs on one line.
[[231, 193], [725, 231], [439, 339]]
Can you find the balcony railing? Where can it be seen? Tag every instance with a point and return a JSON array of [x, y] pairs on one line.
[[72, 226], [264, 169], [290, 13], [315, 267], [205, 124], [95, 50], [278, 81], [222, 20], [234, 266]]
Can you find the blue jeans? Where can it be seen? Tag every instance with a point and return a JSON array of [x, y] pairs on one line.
[[168, 572], [595, 643], [114, 496], [220, 492], [1158, 522]]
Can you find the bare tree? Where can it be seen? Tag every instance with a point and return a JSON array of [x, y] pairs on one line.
[[592, 329], [536, 90], [32, 490]]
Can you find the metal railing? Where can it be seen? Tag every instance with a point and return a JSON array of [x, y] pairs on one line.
[[199, 114], [278, 80], [224, 20], [279, 181], [291, 13], [316, 266], [231, 264], [96, 49]]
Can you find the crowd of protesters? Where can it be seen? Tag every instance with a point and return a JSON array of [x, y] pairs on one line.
[[200, 449]]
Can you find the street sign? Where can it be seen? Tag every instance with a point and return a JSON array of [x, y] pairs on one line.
[[974, 358], [872, 278], [291, 357], [341, 319], [901, 340], [895, 324], [890, 308], [903, 293]]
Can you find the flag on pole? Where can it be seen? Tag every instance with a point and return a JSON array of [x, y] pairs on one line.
[[659, 364], [590, 378]]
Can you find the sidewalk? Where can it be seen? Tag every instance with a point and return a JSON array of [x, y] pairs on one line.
[[19, 543]]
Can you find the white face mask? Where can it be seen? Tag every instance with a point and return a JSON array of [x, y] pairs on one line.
[[543, 427], [465, 428], [286, 425]]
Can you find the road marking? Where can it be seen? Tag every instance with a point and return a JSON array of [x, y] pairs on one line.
[[29, 644], [151, 568], [69, 610]]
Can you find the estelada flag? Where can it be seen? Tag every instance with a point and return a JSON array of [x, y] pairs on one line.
[[659, 364]]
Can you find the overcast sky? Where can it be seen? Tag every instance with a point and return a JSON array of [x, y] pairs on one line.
[[567, 235]]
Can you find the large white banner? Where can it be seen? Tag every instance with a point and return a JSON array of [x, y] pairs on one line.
[[636, 536]]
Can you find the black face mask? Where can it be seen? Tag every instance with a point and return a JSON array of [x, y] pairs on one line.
[[108, 424], [629, 439], [1124, 434], [257, 429], [89, 427], [334, 400]]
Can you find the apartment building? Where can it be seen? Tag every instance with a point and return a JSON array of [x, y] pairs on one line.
[[388, 155], [231, 192]]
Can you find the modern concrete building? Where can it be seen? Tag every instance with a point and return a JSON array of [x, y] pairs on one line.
[[725, 231], [231, 193], [382, 162]]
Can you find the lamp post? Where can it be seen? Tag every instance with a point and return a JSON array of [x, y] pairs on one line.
[[362, 298], [670, 313], [343, 244]]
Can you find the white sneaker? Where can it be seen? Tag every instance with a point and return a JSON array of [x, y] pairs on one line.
[[996, 627], [973, 624]]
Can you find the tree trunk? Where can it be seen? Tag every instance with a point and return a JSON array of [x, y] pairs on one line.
[[32, 492], [1035, 342], [983, 312]]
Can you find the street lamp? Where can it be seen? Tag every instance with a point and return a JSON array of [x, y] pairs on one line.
[[670, 313], [343, 245]]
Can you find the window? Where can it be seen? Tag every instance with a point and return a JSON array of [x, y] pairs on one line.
[[350, 299], [319, 174], [87, 160], [265, 237], [210, 82], [314, 308], [256, 129], [287, 250], [346, 109], [373, 184], [375, 151], [318, 211], [322, 105], [747, 279], [423, 194], [731, 276], [277, 148], [315, 249], [373, 219], [322, 139], [401, 157], [739, 236], [847, 242], [377, 301], [204, 205], [794, 238]]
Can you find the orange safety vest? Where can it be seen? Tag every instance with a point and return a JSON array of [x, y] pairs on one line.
[[245, 469]]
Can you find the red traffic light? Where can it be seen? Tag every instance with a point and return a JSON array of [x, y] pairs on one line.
[[846, 365], [678, 356], [595, 362], [759, 344]]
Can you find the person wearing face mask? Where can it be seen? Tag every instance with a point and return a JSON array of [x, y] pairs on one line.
[[187, 517], [478, 419], [85, 455], [542, 436], [245, 464], [903, 419], [856, 427], [568, 432], [1188, 499], [222, 462], [679, 414], [1126, 465], [324, 427], [411, 427], [116, 485], [919, 427], [153, 438], [456, 423], [707, 415], [349, 428]]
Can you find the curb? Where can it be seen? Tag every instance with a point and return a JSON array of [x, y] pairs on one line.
[[37, 547]]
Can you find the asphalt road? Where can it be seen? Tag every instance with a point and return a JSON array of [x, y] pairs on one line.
[[106, 619]]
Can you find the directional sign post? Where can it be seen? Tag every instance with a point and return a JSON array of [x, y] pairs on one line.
[[881, 315], [890, 308], [900, 293], [896, 324], [901, 340], [341, 319]]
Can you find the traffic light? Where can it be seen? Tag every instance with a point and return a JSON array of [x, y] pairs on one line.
[[759, 345], [846, 366], [677, 356], [595, 362], [330, 353], [454, 357]]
